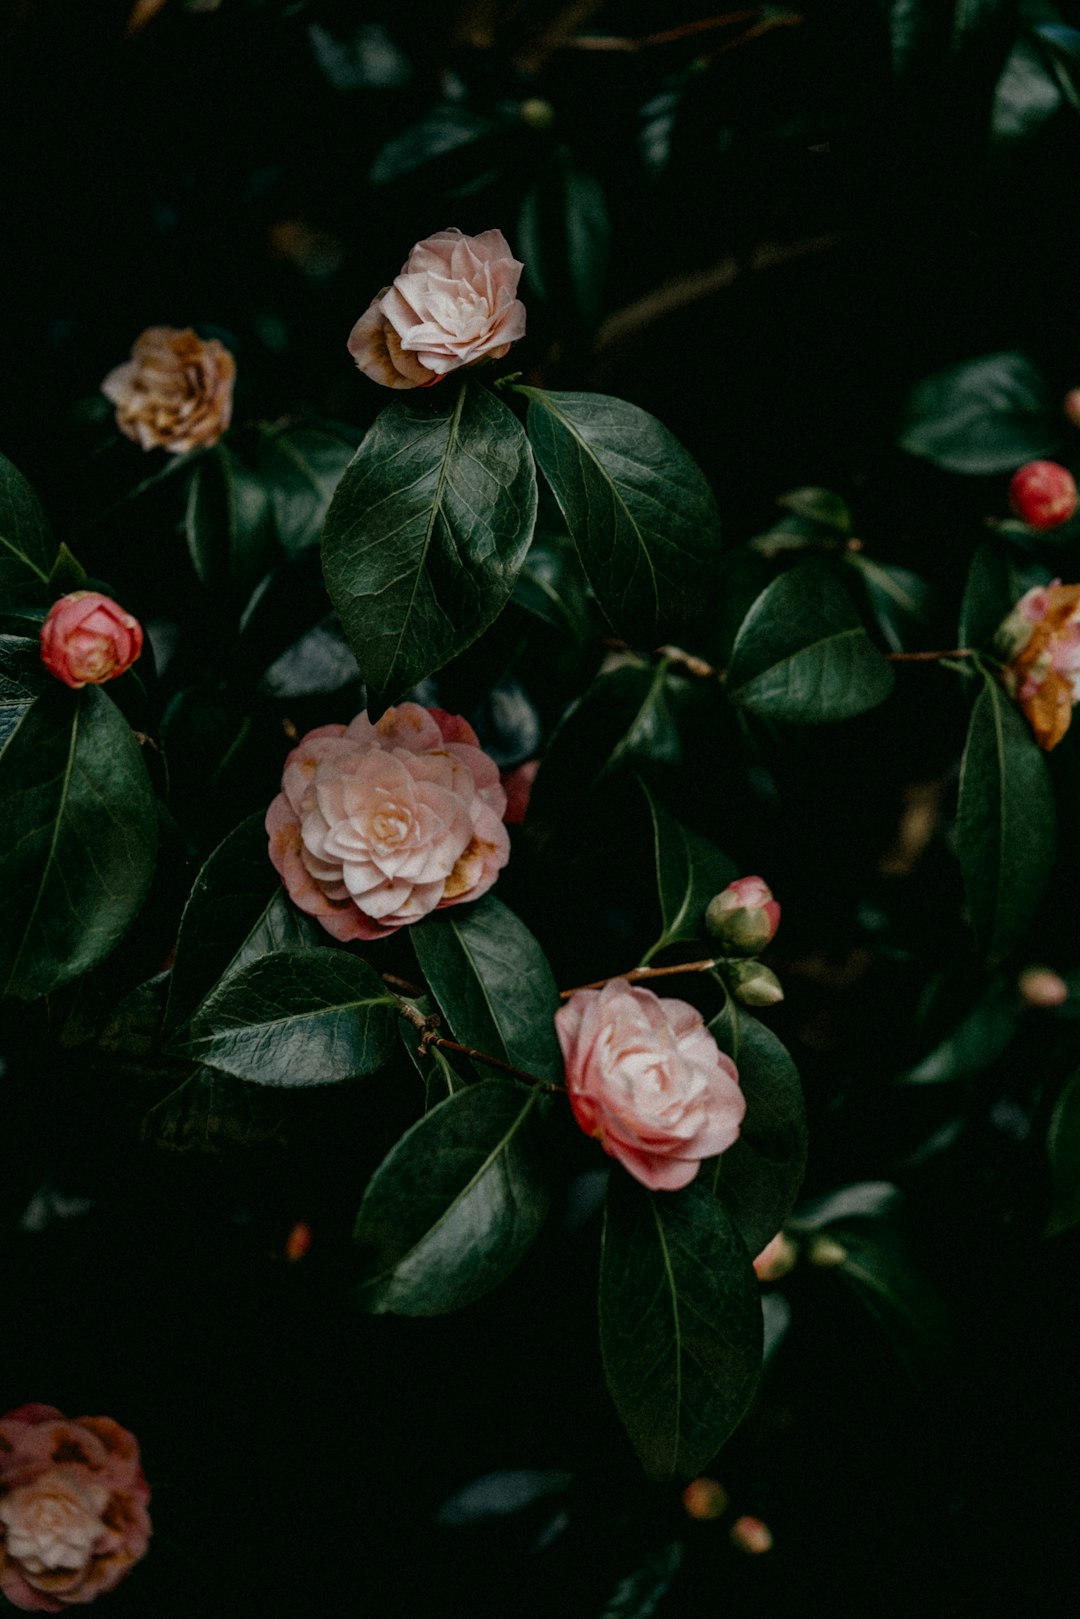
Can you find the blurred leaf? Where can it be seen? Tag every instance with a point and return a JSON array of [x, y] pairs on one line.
[[680, 1323], [899, 600], [26, 544], [320, 663], [454, 1207], [1062, 45], [366, 58], [448, 131], [1063, 1153], [1005, 825], [803, 654], [295, 1017], [238, 911], [500, 1495], [997, 578], [552, 586], [977, 1040], [210, 1110], [741, 575], [883, 1269], [982, 416], [564, 236], [81, 827], [300, 465], [637, 506], [1027, 96], [639, 1595], [228, 522], [822, 506], [493, 984], [427, 532], [759, 1177], [689, 872], [861, 1199]]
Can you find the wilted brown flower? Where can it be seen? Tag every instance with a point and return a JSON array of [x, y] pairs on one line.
[[175, 393]]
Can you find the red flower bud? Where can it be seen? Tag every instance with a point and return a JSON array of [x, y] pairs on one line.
[[88, 638], [751, 1535], [1043, 494], [705, 1498]]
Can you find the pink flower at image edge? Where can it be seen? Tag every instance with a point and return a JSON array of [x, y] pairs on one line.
[[647, 1079], [88, 638], [73, 1500], [454, 304], [376, 826]]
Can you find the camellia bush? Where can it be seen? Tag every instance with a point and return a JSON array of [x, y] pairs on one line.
[[539, 978]]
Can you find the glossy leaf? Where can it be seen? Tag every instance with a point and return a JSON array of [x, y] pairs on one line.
[[803, 654], [997, 577], [689, 872], [238, 910], [493, 984], [899, 600], [454, 1207], [639, 1595], [22, 677], [428, 530], [295, 1017], [80, 827], [636, 504], [301, 464], [1063, 1153], [1005, 827], [553, 588], [210, 1111], [983, 416], [26, 545], [758, 1178], [977, 1040], [680, 1322], [228, 522]]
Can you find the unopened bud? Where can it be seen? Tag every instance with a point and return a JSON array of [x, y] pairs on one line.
[[825, 1252], [298, 1241], [751, 1535], [537, 113], [753, 984], [1041, 987], [776, 1259], [705, 1498], [1071, 406], [1043, 494], [744, 917]]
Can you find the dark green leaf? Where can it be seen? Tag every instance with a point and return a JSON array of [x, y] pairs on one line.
[[457, 1203], [901, 602], [1005, 826], [67, 572], [823, 506], [427, 532], [295, 1017], [639, 1595], [1063, 1152], [803, 654], [882, 1268], [447, 132], [759, 1177], [237, 911], [22, 677], [209, 1111], [563, 237], [637, 506], [997, 578], [81, 837], [300, 466], [983, 416], [861, 1199], [26, 545], [1029, 93], [680, 1322], [553, 588], [229, 523], [977, 1041], [689, 872], [493, 983]]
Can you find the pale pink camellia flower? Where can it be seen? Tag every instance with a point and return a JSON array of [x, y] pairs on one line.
[[88, 639], [175, 393], [73, 1518], [1040, 642], [376, 826], [453, 304], [745, 916], [647, 1079]]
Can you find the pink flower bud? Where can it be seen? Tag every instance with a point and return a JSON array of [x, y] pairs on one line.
[[744, 917], [1040, 987], [754, 984], [705, 1498], [1071, 406], [517, 785], [776, 1259], [298, 1241], [88, 638], [751, 1535], [1043, 494]]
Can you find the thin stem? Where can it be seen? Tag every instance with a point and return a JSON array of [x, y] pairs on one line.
[[669, 36], [401, 983], [929, 657], [646, 972], [430, 1036]]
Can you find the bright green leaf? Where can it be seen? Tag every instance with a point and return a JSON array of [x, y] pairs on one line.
[[427, 531], [454, 1207], [680, 1322], [80, 829]]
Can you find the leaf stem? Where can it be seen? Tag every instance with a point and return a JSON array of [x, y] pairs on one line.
[[646, 972], [430, 1036]]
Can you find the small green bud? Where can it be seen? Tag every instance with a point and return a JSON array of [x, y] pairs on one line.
[[537, 113], [754, 984], [744, 917]]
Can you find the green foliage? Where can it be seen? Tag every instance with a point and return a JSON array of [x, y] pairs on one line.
[[983, 416], [1005, 825], [689, 872], [427, 532], [1063, 1153], [680, 1323], [802, 653], [457, 1203], [79, 815], [26, 547]]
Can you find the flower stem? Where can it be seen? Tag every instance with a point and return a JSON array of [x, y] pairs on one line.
[[646, 972]]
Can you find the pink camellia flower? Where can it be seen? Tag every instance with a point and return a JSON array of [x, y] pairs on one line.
[[453, 304], [175, 393], [745, 916], [647, 1079], [378, 825], [88, 638], [1040, 642], [73, 1516], [1043, 494]]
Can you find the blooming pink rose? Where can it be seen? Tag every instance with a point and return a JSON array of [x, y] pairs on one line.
[[175, 393], [73, 1516], [647, 1078], [745, 916], [377, 825], [453, 304], [88, 638]]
